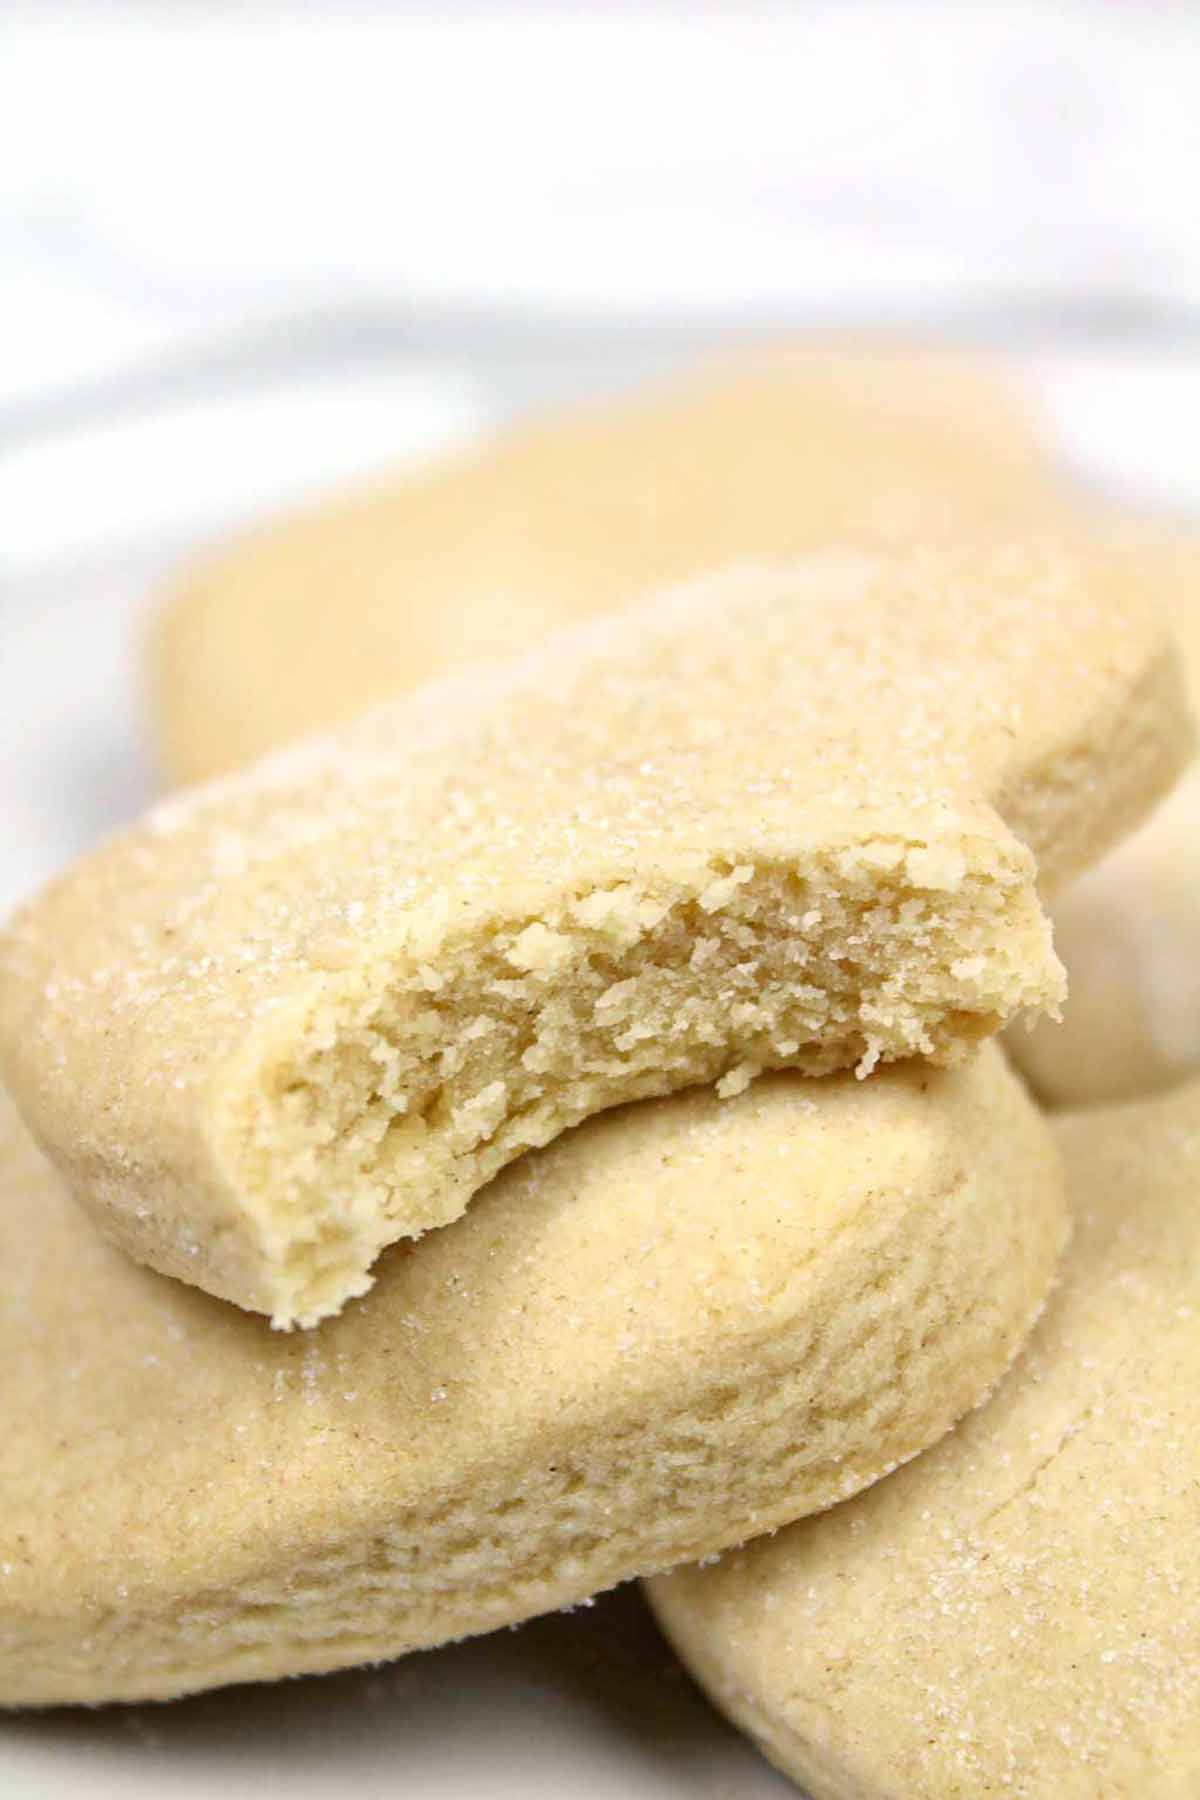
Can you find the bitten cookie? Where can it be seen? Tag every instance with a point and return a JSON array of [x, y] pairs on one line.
[[774, 819], [685, 1322], [1129, 932], [1017, 1613], [764, 454]]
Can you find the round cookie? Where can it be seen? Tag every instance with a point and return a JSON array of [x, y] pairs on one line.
[[1017, 1613], [305, 623], [685, 1322], [1129, 933], [782, 818]]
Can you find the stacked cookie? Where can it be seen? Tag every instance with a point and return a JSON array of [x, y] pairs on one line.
[[582, 1058]]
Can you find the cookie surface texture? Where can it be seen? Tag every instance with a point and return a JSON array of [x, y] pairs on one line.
[[307, 622], [1018, 1612], [784, 817], [685, 1322], [1129, 933]]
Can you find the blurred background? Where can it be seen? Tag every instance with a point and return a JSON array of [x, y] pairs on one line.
[[248, 247], [249, 250], [252, 250]]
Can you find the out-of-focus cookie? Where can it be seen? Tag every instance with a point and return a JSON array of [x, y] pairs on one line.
[[305, 623], [685, 1322], [1129, 931], [1017, 1613], [787, 817]]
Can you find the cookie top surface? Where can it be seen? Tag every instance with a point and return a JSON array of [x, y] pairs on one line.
[[302, 1012], [1019, 1611], [1129, 931], [307, 622], [684, 1319]]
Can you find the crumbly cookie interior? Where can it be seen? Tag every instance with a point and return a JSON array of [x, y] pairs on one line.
[[397, 1100]]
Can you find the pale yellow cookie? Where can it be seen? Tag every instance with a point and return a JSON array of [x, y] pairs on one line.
[[686, 1321], [303, 624], [771, 820], [1018, 1613], [1129, 932]]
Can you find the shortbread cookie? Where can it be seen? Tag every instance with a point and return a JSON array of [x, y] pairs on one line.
[[1129, 934], [685, 1322], [765, 454], [1018, 1613], [767, 822]]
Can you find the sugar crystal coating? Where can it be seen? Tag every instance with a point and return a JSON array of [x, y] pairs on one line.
[[788, 816], [759, 453], [683, 1322], [1129, 931], [1017, 1613]]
